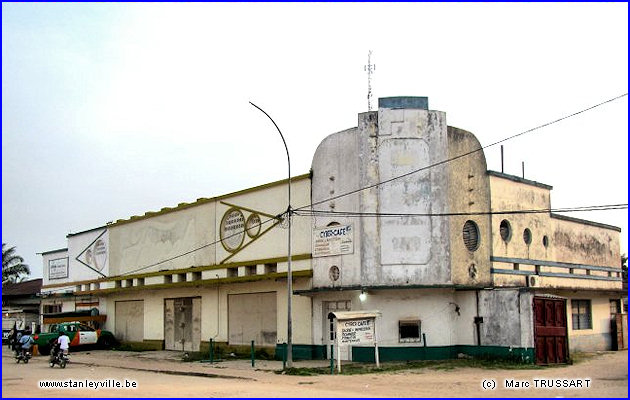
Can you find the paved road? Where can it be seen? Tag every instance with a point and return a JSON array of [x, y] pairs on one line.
[[608, 374]]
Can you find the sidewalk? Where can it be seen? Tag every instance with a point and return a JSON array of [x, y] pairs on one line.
[[170, 362]]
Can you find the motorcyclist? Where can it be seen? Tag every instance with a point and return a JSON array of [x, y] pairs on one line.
[[26, 342], [64, 342]]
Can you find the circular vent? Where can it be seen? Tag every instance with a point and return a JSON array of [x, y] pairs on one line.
[[527, 236], [333, 273], [506, 230], [471, 235]]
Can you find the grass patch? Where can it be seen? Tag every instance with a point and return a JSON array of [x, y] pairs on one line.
[[393, 367]]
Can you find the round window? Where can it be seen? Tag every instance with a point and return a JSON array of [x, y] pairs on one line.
[[545, 241], [506, 230], [527, 236], [333, 273], [471, 235]]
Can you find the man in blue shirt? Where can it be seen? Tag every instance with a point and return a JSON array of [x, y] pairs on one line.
[[26, 342]]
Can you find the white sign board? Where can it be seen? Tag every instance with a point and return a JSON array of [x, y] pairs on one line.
[[58, 269], [356, 331], [333, 241]]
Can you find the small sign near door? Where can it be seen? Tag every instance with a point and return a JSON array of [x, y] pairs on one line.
[[356, 327]]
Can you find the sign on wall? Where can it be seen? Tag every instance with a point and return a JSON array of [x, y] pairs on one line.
[[356, 331], [333, 241], [58, 269]]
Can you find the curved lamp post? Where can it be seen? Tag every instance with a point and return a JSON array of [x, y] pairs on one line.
[[289, 274]]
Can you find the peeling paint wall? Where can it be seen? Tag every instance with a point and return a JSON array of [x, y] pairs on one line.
[[214, 309], [468, 192], [404, 251], [507, 318]]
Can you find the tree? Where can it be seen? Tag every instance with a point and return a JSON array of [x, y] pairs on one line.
[[13, 268]]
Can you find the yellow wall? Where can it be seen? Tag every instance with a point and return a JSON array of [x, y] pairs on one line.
[[468, 192]]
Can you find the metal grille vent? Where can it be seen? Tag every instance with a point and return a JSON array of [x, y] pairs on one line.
[[471, 235]]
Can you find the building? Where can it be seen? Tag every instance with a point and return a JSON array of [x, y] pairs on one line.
[[399, 215], [20, 305]]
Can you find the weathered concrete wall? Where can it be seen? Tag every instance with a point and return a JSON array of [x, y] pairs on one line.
[[511, 195], [214, 309], [583, 243], [407, 250], [168, 234], [335, 171], [147, 241], [435, 308], [553, 238], [414, 249], [468, 192], [503, 324]]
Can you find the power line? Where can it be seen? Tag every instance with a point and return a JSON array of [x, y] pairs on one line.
[[299, 212], [453, 214], [465, 154], [196, 249]]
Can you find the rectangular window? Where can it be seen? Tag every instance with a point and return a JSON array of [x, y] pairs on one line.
[[615, 306], [52, 308], [581, 310], [409, 331]]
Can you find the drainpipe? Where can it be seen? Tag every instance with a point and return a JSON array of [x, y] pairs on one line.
[[478, 319]]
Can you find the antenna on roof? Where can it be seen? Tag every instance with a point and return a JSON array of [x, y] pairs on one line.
[[370, 68]]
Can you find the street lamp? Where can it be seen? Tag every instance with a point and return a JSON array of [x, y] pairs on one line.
[[289, 274]]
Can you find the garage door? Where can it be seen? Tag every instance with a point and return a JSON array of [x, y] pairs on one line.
[[550, 330], [252, 316], [130, 321], [182, 323]]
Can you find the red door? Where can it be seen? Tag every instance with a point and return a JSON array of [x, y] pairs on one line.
[[550, 330]]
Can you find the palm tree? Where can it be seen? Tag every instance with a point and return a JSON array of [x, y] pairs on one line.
[[13, 267]]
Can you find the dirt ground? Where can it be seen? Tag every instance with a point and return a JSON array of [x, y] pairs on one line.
[[607, 374]]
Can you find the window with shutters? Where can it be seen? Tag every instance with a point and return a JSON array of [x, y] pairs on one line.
[[581, 312], [471, 235]]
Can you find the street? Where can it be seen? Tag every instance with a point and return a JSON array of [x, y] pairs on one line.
[[99, 372]]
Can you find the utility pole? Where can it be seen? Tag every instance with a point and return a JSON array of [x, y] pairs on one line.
[[289, 273]]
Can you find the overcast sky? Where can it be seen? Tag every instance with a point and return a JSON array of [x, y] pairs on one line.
[[112, 110]]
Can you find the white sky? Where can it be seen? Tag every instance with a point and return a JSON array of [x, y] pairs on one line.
[[112, 110]]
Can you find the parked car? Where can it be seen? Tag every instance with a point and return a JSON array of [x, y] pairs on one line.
[[80, 335]]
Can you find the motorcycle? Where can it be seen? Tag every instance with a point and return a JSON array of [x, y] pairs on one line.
[[23, 355], [58, 357]]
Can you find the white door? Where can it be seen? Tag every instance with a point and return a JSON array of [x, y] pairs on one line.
[[329, 326]]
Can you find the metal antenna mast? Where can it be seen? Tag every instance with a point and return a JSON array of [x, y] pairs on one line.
[[370, 68]]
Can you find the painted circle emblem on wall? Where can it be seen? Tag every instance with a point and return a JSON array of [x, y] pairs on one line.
[[232, 230], [99, 254], [252, 225]]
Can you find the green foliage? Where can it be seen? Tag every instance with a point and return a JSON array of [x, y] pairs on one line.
[[13, 268], [392, 367]]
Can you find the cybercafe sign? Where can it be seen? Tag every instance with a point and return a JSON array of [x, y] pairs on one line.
[[356, 331], [333, 241], [58, 269]]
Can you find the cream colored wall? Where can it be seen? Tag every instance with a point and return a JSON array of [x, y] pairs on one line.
[[581, 243], [167, 235], [568, 241], [513, 196], [214, 310], [434, 307], [147, 241], [598, 337], [272, 201], [468, 192]]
